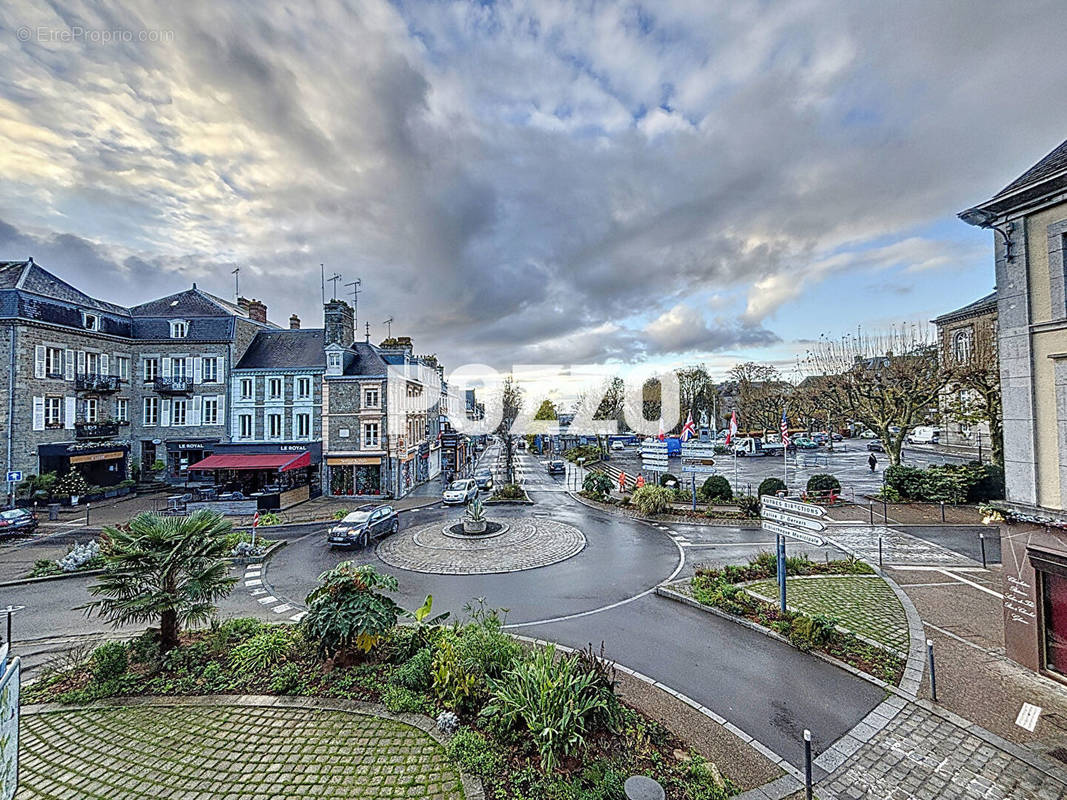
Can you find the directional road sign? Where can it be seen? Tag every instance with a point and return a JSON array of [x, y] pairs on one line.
[[805, 523], [774, 527], [14, 476], [785, 504]]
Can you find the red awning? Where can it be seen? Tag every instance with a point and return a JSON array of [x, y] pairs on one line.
[[281, 462]]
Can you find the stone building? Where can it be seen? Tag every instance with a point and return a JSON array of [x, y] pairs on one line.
[[93, 385], [966, 334], [1029, 218]]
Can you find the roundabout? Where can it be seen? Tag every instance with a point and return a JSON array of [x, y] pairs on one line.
[[522, 543]]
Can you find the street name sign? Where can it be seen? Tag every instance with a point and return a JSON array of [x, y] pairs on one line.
[[792, 533], [785, 504], [806, 523]]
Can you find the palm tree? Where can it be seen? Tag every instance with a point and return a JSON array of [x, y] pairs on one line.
[[168, 568]]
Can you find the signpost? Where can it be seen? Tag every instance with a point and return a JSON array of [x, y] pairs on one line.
[[790, 518], [654, 457], [697, 459]]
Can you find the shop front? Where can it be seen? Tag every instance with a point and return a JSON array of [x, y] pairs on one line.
[[1035, 597], [355, 475], [237, 478], [100, 463], [181, 453]]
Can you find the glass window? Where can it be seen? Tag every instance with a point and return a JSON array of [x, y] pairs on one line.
[[122, 409], [53, 412], [303, 426], [961, 344], [246, 388], [333, 360], [92, 409], [370, 397], [210, 370], [274, 387], [92, 363], [151, 411], [90, 321], [178, 369], [274, 425], [178, 412], [211, 411], [370, 434], [245, 423], [1054, 613], [122, 367], [179, 329], [54, 361], [303, 388], [150, 368]]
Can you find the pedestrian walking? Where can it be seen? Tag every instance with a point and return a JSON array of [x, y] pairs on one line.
[[622, 482], [872, 462]]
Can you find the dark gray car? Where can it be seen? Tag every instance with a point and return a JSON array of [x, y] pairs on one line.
[[363, 525], [17, 520]]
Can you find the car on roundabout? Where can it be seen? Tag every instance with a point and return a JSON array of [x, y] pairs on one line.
[[557, 466], [484, 478], [460, 492], [363, 525]]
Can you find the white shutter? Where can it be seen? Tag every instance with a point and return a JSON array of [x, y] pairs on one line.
[[68, 365], [220, 408], [104, 364], [198, 370], [38, 413], [69, 412], [38, 366], [166, 367], [194, 418], [164, 413], [220, 369], [81, 362]]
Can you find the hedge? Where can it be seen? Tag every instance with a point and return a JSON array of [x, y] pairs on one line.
[[949, 483]]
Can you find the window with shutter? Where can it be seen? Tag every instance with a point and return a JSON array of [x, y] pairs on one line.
[[164, 414], [105, 368], [194, 417], [68, 365], [166, 367], [38, 413], [38, 361], [69, 412], [81, 362]]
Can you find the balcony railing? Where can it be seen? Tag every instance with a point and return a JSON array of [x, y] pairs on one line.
[[95, 430], [97, 383], [173, 385]]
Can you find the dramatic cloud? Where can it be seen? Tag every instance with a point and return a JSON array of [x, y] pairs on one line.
[[521, 182]]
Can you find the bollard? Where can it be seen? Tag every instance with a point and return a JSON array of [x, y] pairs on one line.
[[942, 511], [8, 639], [807, 764], [885, 511], [933, 675], [87, 507], [872, 511], [879, 552], [981, 542]]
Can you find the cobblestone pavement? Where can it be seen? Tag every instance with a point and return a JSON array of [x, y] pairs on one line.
[[920, 755], [238, 753], [528, 543], [865, 604]]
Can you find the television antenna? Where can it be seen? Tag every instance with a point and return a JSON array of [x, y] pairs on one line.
[[336, 277], [388, 328], [354, 286]]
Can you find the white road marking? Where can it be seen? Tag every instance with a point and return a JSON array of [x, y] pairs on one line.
[[298, 617], [977, 586], [268, 599], [1028, 715], [281, 609], [253, 582], [917, 568], [255, 592]]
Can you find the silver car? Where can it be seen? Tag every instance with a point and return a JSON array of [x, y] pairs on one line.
[[460, 492]]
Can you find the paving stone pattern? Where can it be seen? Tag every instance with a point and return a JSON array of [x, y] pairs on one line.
[[897, 547], [528, 543], [238, 753], [864, 604], [921, 756]]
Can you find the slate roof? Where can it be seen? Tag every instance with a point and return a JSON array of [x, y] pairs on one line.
[[189, 303], [30, 277], [980, 306], [363, 358], [1055, 162], [286, 349]]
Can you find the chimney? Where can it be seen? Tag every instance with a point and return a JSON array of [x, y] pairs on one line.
[[257, 311], [294, 322], [242, 303], [340, 323]]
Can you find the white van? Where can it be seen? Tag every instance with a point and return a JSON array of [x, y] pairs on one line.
[[924, 434]]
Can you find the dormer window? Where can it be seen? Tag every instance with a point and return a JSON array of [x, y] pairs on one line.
[[179, 329], [334, 362], [90, 322]]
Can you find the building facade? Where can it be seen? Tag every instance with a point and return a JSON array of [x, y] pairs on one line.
[[966, 335], [95, 386], [1029, 218]]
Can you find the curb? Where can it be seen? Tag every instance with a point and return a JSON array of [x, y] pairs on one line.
[[472, 786], [785, 785], [43, 578], [241, 561], [668, 518]]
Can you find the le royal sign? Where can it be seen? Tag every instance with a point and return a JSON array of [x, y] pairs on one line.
[[794, 519]]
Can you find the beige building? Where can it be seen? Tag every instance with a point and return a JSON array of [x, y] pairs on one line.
[[1029, 218]]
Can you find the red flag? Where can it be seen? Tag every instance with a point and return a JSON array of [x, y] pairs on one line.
[[662, 433], [731, 432]]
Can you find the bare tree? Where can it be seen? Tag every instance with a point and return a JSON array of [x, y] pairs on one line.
[[890, 382], [973, 391], [761, 395]]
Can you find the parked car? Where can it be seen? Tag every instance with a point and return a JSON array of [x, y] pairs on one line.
[[368, 522], [820, 438], [868, 435], [17, 520], [804, 443], [460, 492], [557, 467], [617, 445], [876, 447], [484, 478]]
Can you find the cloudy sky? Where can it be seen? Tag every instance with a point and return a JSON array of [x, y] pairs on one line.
[[531, 182]]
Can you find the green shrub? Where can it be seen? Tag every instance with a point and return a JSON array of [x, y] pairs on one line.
[[109, 661], [348, 610], [771, 486], [415, 674], [590, 452], [598, 485], [949, 483], [651, 499], [823, 483], [264, 650], [43, 567], [404, 701], [509, 491], [226, 634], [989, 486], [340, 513], [483, 647], [748, 505], [716, 487], [812, 632], [474, 754], [269, 519], [555, 700], [145, 648], [453, 685], [666, 478]]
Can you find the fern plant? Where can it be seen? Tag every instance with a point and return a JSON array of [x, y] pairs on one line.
[[348, 610]]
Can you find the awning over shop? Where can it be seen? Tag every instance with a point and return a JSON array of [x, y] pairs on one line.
[[282, 462]]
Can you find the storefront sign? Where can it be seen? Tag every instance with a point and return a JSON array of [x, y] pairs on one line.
[[354, 461], [84, 459]]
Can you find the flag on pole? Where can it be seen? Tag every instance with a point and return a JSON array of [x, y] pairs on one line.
[[785, 430], [662, 433], [689, 430], [731, 432], [255, 520]]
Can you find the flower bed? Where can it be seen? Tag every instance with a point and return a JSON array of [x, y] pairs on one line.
[[721, 589], [79, 558]]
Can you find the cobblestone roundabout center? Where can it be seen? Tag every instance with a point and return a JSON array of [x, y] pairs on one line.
[[235, 752], [528, 543]]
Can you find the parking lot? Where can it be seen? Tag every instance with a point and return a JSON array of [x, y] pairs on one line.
[[847, 462]]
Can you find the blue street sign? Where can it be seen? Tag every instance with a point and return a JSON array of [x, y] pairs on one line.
[[14, 476]]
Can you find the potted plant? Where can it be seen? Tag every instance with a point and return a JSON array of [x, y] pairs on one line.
[[474, 521]]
